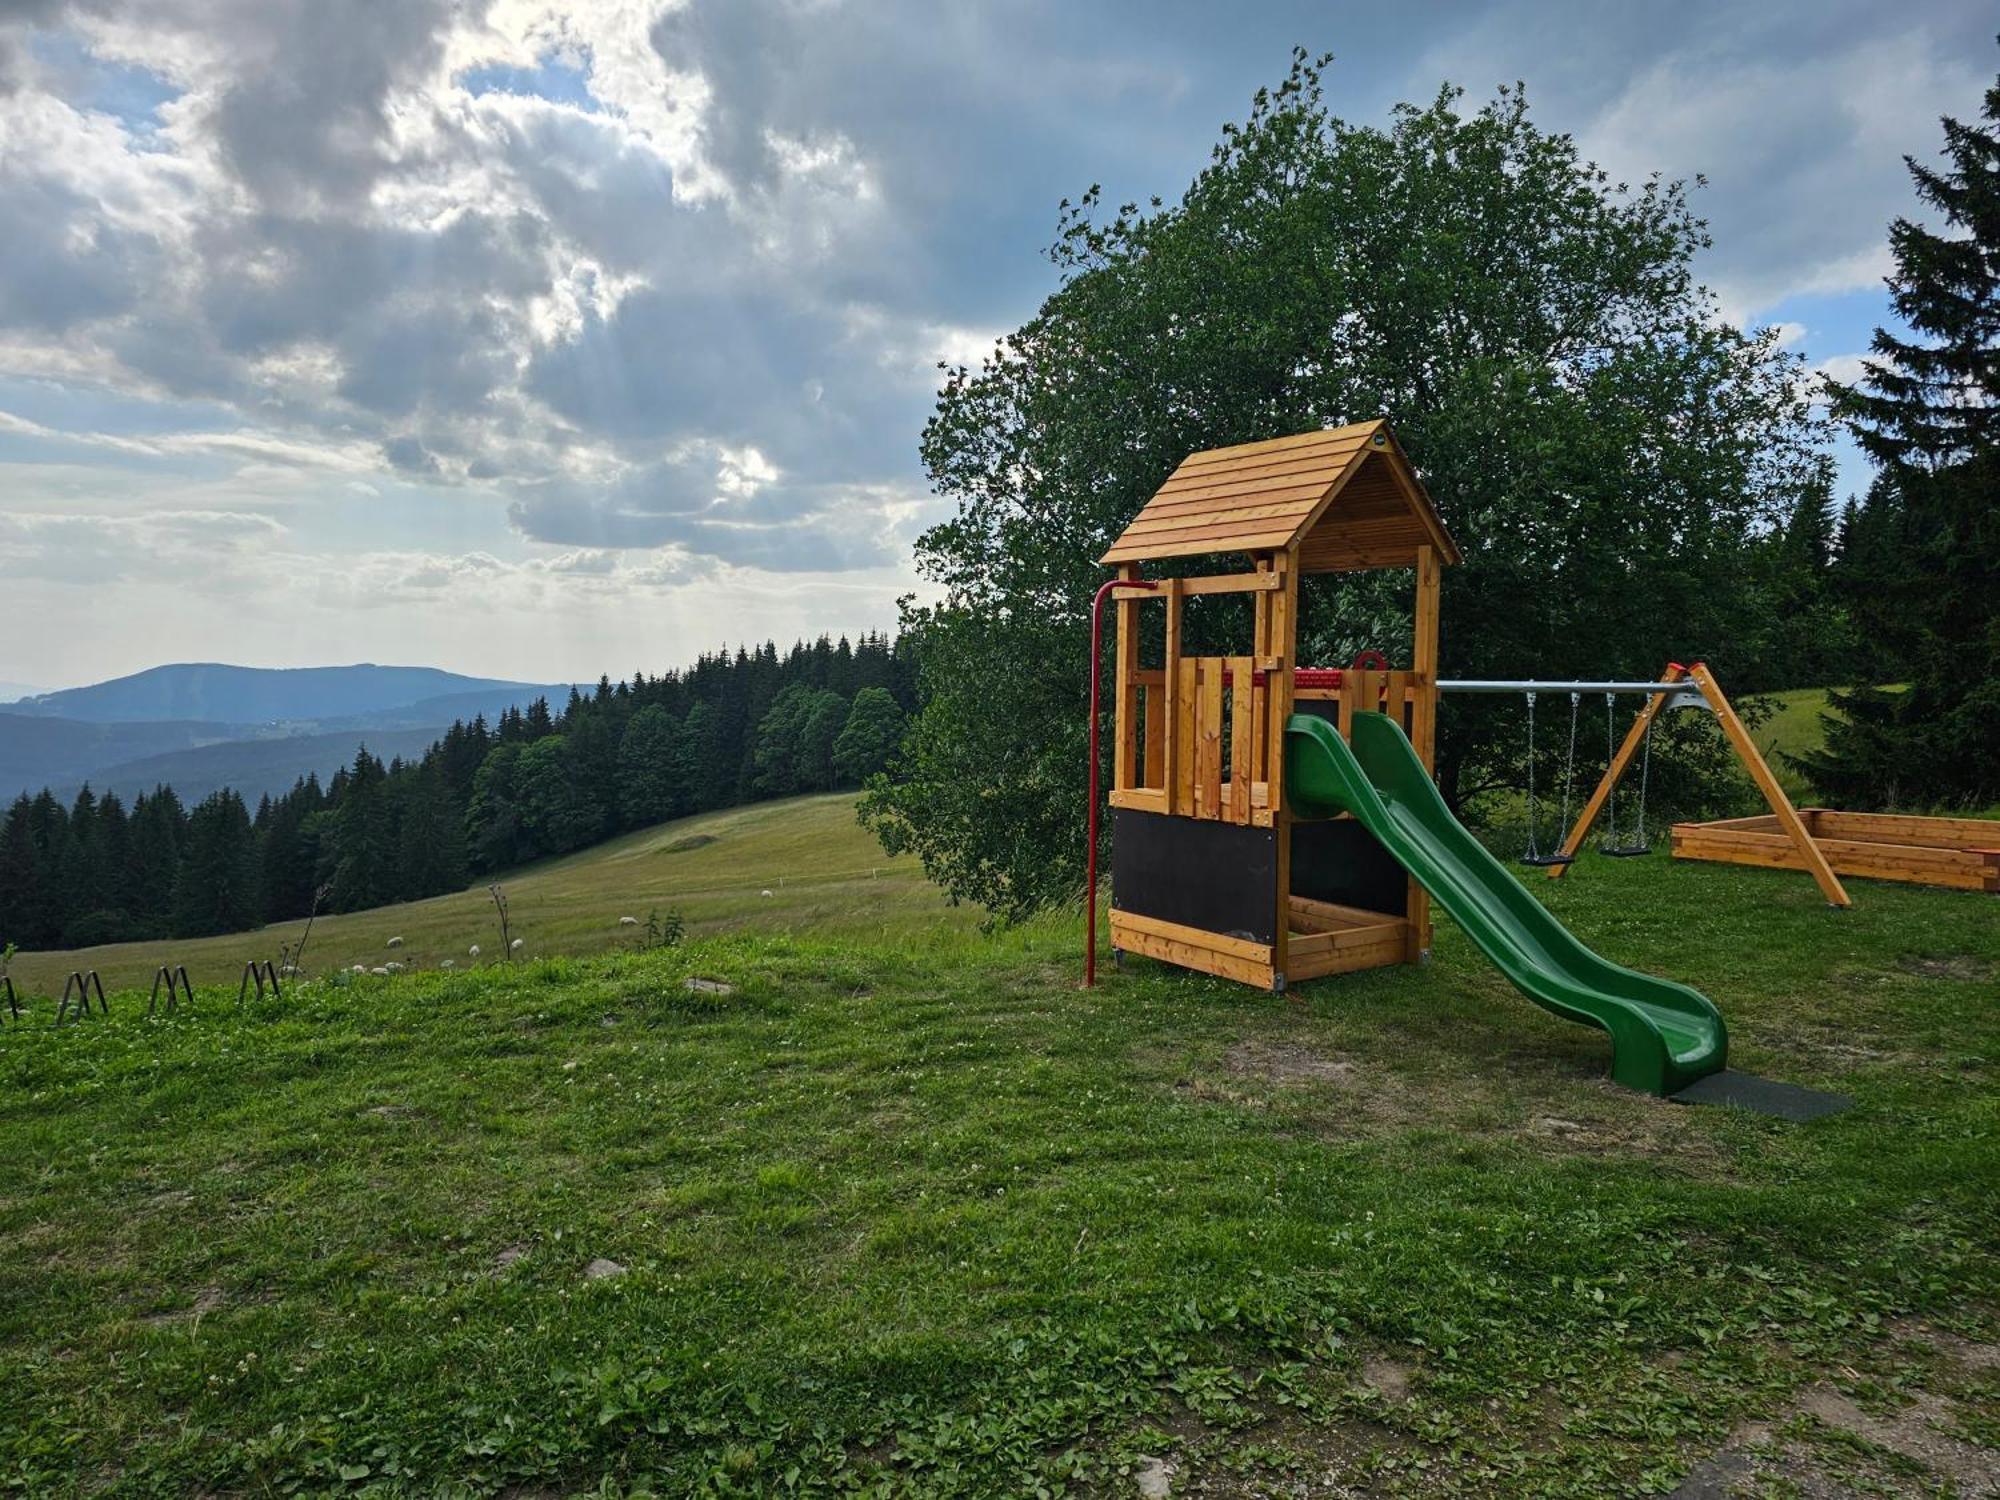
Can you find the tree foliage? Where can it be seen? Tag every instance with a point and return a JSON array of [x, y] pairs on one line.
[[1921, 560], [535, 783], [1604, 448]]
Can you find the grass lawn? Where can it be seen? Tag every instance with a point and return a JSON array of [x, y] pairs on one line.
[[909, 1213]]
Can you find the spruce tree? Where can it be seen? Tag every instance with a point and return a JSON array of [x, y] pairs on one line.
[[649, 774], [1925, 410], [217, 889]]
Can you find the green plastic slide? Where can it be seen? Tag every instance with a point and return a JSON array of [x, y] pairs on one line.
[[1663, 1035]]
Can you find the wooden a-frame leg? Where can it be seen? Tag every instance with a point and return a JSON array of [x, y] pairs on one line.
[[1788, 816]]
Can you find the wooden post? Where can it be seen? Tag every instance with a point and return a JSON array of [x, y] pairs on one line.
[[1125, 758], [1788, 816], [1423, 722], [1187, 696], [1424, 658], [1284, 643], [1177, 704]]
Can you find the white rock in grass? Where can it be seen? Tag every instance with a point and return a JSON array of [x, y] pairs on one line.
[[765, 893], [515, 946], [628, 921], [379, 972], [449, 963], [473, 951], [393, 968], [603, 1270], [1154, 1477], [395, 942], [359, 969]]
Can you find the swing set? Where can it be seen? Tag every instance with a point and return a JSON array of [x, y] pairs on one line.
[[1678, 687]]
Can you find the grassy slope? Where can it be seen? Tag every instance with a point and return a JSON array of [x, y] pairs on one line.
[[1794, 726], [822, 871], [916, 1212]]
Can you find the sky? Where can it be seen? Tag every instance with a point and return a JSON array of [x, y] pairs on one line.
[[539, 341]]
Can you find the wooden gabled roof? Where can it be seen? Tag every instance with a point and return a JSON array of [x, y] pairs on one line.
[[1343, 498]]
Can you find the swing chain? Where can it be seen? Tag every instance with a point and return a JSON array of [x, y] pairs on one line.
[[1609, 839], [1534, 852], [1569, 764], [1645, 775]]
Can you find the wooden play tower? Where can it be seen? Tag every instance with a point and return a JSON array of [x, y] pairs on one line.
[[1211, 870]]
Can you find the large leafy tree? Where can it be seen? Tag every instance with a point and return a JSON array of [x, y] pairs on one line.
[[868, 739], [1601, 444], [1923, 556]]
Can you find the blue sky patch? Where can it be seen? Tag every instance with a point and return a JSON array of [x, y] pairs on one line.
[[132, 94], [552, 78]]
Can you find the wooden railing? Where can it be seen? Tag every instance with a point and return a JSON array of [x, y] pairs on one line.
[[1208, 741]]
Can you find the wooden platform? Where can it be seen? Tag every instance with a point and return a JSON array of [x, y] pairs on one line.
[[1323, 939], [1958, 853]]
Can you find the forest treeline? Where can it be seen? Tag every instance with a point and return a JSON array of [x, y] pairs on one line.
[[539, 781]]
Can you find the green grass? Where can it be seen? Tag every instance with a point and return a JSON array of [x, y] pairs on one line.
[[1795, 728], [823, 872], [910, 1213]]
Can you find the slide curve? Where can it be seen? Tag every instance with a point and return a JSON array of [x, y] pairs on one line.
[[1664, 1035]]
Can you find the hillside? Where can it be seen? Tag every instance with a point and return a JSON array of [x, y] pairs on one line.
[[36, 751], [823, 872], [256, 695], [893, 1208], [253, 767]]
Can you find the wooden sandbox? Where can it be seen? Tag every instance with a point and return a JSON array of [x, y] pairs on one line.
[[1962, 853]]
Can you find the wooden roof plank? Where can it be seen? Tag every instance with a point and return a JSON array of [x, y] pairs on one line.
[[1297, 439], [1342, 498]]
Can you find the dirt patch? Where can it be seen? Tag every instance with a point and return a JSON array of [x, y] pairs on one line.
[[1300, 1459], [1814, 1448], [1947, 966], [1913, 1433], [506, 1258], [1390, 1377], [1286, 1064]]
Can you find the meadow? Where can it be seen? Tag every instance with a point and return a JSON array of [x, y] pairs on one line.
[[798, 865], [885, 1205]]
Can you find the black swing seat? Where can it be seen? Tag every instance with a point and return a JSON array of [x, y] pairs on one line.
[[1543, 861], [1626, 851]]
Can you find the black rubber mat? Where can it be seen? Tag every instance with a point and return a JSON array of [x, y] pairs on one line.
[[1764, 1096]]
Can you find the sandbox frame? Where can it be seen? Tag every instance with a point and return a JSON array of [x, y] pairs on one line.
[[1956, 853]]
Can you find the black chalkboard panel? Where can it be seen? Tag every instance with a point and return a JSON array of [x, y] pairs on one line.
[[1340, 861], [1219, 877], [1336, 859]]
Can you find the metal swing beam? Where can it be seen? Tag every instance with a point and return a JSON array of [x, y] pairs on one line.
[[1678, 678], [1471, 685]]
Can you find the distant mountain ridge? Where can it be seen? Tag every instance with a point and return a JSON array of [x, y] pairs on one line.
[[253, 768], [214, 692], [201, 726]]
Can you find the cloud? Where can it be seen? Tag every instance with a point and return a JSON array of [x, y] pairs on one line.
[[103, 549], [602, 300], [1798, 116]]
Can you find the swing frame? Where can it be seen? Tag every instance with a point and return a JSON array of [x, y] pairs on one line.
[[1699, 679]]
